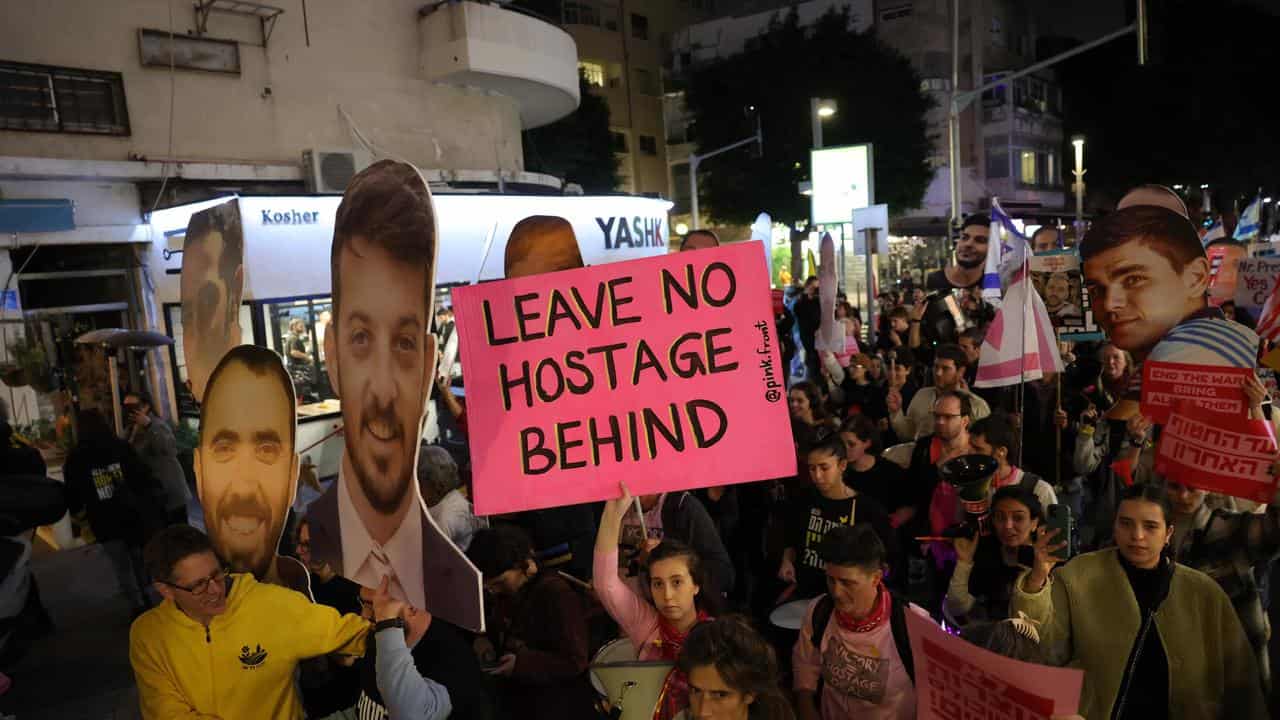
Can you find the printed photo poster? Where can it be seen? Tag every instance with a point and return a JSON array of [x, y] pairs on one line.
[[246, 464], [381, 356], [1057, 277], [664, 373], [211, 285], [1256, 281], [956, 679]]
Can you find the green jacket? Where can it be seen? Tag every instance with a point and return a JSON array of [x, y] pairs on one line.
[[1090, 620]]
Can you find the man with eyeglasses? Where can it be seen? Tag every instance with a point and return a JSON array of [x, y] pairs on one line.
[[952, 414], [950, 363], [224, 645]]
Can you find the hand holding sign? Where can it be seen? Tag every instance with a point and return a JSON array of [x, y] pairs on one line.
[[1254, 394], [663, 372]]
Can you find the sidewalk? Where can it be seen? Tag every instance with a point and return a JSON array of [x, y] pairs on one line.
[[81, 671]]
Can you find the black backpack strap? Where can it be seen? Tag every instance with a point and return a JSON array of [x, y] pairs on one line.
[[898, 623], [821, 616], [1028, 482]]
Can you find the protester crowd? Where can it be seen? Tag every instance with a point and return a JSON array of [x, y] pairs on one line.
[[1158, 591]]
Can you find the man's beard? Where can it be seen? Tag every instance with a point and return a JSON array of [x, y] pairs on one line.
[[383, 497], [970, 264], [246, 547]]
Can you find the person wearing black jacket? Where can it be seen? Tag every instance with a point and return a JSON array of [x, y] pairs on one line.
[[538, 629], [110, 483], [808, 313]]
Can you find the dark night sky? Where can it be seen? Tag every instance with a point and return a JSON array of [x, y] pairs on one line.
[[1088, 19]]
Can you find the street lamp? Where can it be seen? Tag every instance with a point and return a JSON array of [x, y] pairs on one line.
[[1077, 141], [820, 109]]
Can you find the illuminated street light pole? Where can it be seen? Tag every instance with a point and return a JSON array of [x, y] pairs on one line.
[[1078, 143]]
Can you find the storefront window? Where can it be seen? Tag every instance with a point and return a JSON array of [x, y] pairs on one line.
[[187, 404], [296, 329]]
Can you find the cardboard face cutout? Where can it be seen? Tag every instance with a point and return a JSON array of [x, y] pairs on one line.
[[247, 463], [541, 244], [1148, 279], [211, 284], [381, 359]]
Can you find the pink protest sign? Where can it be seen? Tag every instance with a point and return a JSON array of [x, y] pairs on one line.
[[955, 679], [663, 373], [1229, 454], [1214, 388]]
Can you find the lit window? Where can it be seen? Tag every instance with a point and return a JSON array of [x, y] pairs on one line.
[[593, 72], [1027, 173]]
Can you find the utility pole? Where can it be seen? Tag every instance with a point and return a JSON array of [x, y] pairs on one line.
[[961, 100], [695, 160]]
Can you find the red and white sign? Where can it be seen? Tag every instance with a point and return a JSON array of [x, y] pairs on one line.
[[1213, 388], [664, 373], [956, 680], [1227, 454]]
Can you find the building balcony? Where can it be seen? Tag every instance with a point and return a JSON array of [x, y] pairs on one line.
[[503, 51]]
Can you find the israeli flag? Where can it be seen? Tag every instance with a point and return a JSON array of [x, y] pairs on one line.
[[1247, 228], [1007, 251], [1216, 232]]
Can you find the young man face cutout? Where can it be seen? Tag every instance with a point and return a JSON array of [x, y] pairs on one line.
[[1144, 276], [211, 283], [381, 359]]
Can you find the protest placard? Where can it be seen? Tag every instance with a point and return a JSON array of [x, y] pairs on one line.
[[1228, 454], [955, 679], [1058, 279], [662, 372], [1224, 270], [1214, 388], [1256, 279]]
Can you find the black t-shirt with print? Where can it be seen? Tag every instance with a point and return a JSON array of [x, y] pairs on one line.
[[810, 517]]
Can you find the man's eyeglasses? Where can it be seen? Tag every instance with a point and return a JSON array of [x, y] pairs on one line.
[[200, 587], [945, 416]]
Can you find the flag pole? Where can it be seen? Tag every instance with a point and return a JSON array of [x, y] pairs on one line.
[[1022, 364], [1057, 435]]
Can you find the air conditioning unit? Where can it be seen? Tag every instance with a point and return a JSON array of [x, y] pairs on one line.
[[329, 171]]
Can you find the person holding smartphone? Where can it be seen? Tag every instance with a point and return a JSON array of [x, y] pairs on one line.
[[987, 566], [1155, 639]]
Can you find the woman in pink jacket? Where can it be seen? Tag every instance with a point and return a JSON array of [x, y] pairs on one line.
[[674, 576]]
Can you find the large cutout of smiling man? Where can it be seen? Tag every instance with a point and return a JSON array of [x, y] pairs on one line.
[[381, 358]]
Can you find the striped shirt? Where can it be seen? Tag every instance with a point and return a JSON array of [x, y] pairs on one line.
[[1208, 341]]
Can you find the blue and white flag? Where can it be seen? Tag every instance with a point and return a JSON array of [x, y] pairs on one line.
[[1007, 252], [1216, 232], [1250, 221]]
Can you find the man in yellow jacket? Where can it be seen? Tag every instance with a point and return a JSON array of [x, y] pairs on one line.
[[224, 645]]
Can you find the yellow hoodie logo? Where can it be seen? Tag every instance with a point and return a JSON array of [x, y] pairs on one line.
[[251, 660]]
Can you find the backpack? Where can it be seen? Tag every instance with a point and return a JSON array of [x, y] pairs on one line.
[[897, 623]]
